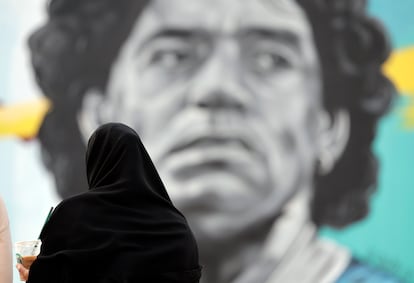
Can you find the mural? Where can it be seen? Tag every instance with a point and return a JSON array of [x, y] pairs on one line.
[[283, 129]]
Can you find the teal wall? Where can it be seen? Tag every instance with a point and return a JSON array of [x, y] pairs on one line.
[[386, 237]]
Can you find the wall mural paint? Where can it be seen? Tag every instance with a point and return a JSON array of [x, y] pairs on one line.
[[271, 122]]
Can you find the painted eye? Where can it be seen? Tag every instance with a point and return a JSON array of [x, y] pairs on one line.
[[170, 58], [270, 62]]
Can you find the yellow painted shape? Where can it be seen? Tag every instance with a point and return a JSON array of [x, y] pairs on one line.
[[23, 119], [400, 69]]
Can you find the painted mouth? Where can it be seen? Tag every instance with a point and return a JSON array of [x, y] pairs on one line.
[[208, 142], [204, 154]]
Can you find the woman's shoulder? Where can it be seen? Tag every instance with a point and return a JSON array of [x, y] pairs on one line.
[[69, 202], [358, 271], [67, 209]]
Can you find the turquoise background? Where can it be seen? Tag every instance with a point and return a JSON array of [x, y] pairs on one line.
[[386, 237]]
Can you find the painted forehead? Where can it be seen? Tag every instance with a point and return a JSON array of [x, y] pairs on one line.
[[228, 15]]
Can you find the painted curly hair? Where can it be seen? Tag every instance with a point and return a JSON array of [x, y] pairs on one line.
[[71, 53]]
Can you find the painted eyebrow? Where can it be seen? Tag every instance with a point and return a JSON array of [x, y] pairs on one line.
[[180, 33], [279, 35]]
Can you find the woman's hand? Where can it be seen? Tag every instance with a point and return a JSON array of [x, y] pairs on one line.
[[23, 272]]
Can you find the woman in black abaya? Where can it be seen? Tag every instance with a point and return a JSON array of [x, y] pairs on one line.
[[123, 229]]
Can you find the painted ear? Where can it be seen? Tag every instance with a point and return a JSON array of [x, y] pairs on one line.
[[90, 115], [333, 138]]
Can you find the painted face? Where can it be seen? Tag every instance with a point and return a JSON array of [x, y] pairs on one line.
[[226, 97]]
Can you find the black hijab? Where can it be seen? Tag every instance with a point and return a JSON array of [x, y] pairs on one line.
[[124, 229]]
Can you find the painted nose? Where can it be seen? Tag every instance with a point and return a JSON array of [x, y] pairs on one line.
[[218, 83]]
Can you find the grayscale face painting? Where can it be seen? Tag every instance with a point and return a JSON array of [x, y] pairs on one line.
[[258, 114], [228, 99]]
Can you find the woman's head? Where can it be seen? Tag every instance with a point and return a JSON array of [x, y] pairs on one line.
[[114, 156]]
